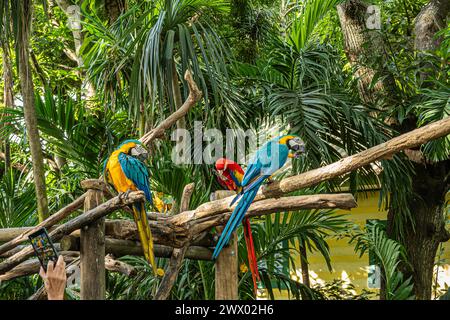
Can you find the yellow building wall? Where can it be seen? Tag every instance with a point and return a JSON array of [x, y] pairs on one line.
[[347, 265]]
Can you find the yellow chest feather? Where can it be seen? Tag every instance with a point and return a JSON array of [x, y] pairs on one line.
[[115, 174]]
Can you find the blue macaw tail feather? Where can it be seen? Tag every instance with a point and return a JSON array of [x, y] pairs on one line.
[[234, 221], [236, 198]]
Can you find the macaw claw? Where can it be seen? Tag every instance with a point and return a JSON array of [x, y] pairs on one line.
[[124, 195]]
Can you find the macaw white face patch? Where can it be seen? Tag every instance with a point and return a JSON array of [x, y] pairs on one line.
[[139, 153]]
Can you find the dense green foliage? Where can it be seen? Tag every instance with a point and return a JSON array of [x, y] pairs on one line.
[[259, 64]]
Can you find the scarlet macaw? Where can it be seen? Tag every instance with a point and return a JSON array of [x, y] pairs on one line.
[[230, 176], [125, 170], [268, 159]]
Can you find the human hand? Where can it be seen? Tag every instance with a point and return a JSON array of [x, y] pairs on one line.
[[55, 279]]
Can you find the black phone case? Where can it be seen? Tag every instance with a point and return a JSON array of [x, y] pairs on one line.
[[44, 232]]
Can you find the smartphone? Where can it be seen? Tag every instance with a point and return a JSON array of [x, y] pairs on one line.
[[43, 247]]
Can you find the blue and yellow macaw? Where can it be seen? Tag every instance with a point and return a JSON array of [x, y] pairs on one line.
[[126, 171], [268, 159]]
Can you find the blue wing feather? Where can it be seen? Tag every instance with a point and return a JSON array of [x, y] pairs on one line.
[[137, 172], [235, 180]]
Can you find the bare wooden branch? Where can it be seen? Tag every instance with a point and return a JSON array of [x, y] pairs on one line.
[[186, 196], [47, 223], [216, 212], [74, 224], [32, 266], [194, 96], [118, 266], [171, 273]]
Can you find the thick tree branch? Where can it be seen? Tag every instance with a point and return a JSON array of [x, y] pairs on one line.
[[119, 247], [194, 96]]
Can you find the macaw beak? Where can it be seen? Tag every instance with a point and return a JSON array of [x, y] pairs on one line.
[[139, 153], [298, 148]]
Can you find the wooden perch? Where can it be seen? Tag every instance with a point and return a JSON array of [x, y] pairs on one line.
[[194, 96], [47, 223], [118, 229], [207, 216], [181, 229], [32, 266], [119, 248], [74, 224]]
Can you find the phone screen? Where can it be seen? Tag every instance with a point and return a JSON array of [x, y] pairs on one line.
[[43, 247]]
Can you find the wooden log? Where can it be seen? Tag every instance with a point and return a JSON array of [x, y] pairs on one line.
[[92, 252], [11, 252], [47, 223], [226, 271], [74, 224], [119, 248], [226, 266], [32, 266], [206, 217], [113, 265]]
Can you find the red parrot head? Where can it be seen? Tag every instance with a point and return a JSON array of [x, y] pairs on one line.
[[229, 173]]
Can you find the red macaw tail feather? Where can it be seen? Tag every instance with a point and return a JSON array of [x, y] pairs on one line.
[[251, 253]]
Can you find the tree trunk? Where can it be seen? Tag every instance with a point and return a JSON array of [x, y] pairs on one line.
[[361, 43], [304, 264], [8, 94], [430, 20], [26, 84], [423, 238], [430, 182], [426, 231]]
